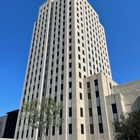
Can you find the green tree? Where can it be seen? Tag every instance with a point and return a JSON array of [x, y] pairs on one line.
[[128, 128], [42, 115]]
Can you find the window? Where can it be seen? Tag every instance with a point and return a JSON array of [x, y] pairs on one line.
[[78, 33], [53, 130], [97, 94], [80, 75], [55, 88], [70, 56], [91, 129], [99, 110], [101, 128], [70, 65], [89, 96], [88, 84], [90, 112], [50, 90], [60, 130], [55, 98], [82, 129], [79, 57], [61, 113], [70, 95], [61, 86], [62, 67], [22, 134], [70, 40], [110, 85], [47, 131], [96, 82], [70, 112], [84, 69], [62, 77], [61, 98], [79, 49], [81, 112], [83, 60], [56, 70], [70, 128], [69, 48], [56, 78], [70, 84], [78, 41], [79, 65], [70, 74], [114, 108], [62, 59], [32, 133], [80, 85], [17, 134], [81, 96]]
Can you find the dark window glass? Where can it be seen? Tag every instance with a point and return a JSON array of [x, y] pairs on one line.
[[80, 85], [79, 65], [110, 85], [70, 65], [114, 108], [70, 84], [99, 110], [32, 133], [81, 96], [101, 128], [91, 129], [55, 98], [81, 112], [96, 82], [61, 113], [70, 128], [62, 77], [46, 131], [90, 112], [70, 74], [22, 134], [55, 89], [82, 129], [69, 48], [61, 86], [60, 130], [97, 94], [61, 98], [62, 59], [70, 95], [70, 112], [17, 134], [53, 130], [80, 75], [70, 56], [88, 84], [89, 95]]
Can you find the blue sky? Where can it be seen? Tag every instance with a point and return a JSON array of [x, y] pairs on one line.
[[121, 19]]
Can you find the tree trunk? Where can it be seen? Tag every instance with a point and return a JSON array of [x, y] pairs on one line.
[[44, 135], [49, 134]]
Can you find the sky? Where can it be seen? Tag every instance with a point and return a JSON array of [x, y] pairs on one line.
[[120, 18]]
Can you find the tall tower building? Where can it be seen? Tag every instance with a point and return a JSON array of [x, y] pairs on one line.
[[68, 46]]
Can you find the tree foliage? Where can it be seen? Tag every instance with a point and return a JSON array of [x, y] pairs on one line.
[[129, 126], [42, 115]]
